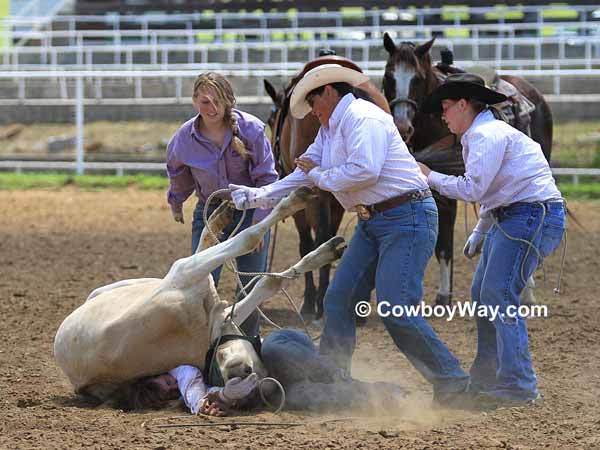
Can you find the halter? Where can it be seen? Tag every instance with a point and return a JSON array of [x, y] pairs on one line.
[[398, 100], [212, 373]]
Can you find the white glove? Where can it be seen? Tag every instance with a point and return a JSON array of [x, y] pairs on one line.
[[177, 213], [238, 388], [475, 241], [245, 197], [474, 244]]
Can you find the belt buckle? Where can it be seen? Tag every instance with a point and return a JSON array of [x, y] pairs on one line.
[[363, 212]]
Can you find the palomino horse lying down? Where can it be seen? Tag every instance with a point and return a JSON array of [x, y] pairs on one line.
[[142, 327]]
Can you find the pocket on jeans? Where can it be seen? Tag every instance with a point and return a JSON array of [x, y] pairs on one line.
[[551, 237], [432, 224]]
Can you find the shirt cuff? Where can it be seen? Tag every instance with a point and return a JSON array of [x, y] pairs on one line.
[[435, 179]]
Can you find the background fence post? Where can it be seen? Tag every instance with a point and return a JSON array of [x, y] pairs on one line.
[[79, 124]]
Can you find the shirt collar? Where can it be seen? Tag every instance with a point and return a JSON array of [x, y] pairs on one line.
[[340, 109], [194, 132], [483, 117]]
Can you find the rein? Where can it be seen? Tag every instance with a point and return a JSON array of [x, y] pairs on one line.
[[277, 132]]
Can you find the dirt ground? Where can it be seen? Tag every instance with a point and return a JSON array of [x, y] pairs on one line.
[[57, 246]]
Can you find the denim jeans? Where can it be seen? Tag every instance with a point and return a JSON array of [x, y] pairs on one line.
[[503, 365], [390, 252], [313, 382], [251, 262]]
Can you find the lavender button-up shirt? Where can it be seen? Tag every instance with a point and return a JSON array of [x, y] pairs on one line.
[[195, 163]]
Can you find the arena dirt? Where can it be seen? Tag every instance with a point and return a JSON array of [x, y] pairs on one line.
[[57, 246]]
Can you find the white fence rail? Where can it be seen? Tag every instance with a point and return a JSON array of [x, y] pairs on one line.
[[22, 78], [121, 168], [118, 54]]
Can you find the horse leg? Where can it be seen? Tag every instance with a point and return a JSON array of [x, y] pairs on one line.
[[444, 249], [306, 246], [323, 234]]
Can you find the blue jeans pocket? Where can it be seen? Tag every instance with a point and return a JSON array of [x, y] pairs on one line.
[[551, 237], [432, 223]]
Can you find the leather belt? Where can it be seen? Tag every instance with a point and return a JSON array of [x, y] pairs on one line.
[[365, 212], [500, 212]]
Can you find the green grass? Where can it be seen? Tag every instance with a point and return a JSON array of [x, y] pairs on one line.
[[582, 191], [13, 181], [572, 147]]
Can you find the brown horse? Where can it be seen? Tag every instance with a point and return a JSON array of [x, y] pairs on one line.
[[290, 138], [408, 79]]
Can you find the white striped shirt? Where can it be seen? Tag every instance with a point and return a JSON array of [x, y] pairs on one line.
[[361, 158], [502, 166]]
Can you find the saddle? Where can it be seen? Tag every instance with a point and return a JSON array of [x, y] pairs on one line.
[[516, 109]]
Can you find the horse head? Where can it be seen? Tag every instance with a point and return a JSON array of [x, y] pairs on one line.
[[409, 77], [290, 137], [232, 354]]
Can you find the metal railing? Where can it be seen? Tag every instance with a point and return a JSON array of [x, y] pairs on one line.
[[95, 79], [555, 52], [121, 168]]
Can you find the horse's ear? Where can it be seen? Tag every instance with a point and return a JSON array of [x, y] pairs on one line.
[[388, 43], [270, 90], [423, 49]]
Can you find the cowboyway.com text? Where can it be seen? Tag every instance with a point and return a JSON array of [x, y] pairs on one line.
[[458, 309]]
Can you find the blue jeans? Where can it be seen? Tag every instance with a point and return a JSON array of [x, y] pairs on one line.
[[251, 262], [291, 357], [390, 252], [503, 366], [313, 382]]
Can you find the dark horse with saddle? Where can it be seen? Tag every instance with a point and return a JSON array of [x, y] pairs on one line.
[[427, 137]]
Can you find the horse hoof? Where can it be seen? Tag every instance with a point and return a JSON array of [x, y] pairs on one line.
[[442, 299]]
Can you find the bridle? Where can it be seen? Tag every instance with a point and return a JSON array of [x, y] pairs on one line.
[[277, 132], [398, 100]]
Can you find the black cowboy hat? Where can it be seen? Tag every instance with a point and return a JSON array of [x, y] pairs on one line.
[[461, 85]]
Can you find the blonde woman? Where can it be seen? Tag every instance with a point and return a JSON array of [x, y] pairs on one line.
[[219, 146]]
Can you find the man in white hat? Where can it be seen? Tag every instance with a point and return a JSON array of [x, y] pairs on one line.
[[359, 156]]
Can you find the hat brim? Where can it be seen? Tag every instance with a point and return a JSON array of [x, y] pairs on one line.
[[317, 77], [457, 90]]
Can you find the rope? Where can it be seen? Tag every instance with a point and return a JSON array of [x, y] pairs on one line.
[[243, 289], [264, 399], [150, 428]]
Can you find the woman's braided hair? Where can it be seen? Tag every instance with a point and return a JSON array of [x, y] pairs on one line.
[[223, 91]]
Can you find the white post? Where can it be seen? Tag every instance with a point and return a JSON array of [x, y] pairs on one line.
[[79, 124]]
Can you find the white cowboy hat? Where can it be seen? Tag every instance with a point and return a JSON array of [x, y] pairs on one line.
[[317, 77]]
